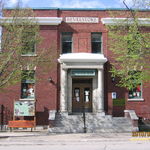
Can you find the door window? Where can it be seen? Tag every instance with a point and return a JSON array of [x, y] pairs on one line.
[[77, 94], [86, 95]]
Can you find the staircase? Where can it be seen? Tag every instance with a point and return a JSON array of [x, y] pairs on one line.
[[95, 123]]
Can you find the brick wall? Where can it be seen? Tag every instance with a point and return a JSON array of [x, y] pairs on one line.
[[47, 94]]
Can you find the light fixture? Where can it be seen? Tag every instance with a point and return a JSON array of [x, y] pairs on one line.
[[50, 79], [113, 79]]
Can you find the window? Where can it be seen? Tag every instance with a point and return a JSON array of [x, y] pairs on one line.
[[66, 42], [96, 42], [28, 84], [28, 43], [136, 93]]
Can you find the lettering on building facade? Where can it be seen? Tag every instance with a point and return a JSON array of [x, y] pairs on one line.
[[82, 19]]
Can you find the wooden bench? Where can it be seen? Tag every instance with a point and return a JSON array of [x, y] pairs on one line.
[[21, 124]]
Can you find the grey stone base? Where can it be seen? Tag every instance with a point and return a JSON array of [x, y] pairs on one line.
[[73, 123]]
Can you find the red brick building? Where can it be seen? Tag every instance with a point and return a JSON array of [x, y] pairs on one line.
[[80, 70]]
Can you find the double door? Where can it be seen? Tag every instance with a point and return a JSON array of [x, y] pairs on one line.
[[82, 95]]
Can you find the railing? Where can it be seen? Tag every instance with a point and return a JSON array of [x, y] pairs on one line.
[[5, 116]]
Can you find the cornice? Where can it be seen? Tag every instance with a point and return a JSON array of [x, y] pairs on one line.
[[115, 21], [39, 20]]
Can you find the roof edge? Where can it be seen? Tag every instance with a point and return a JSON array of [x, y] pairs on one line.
[[81, 9]]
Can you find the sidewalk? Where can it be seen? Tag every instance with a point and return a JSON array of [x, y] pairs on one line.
[[23, 132], [80, 141], [71, 136], [16, 134]]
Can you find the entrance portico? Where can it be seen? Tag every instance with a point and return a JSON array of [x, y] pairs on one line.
[[82, 66]]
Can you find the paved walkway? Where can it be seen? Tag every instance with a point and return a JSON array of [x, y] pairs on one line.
[[5, 134], [88, 141]]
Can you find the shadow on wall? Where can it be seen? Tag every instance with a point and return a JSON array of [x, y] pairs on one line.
[[67, 28], [5, 115], [116, 106], [42, 117]]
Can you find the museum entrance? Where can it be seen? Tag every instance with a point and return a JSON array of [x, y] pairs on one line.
[[82, 94]]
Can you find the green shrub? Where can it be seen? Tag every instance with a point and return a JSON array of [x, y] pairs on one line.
[[119, 102]]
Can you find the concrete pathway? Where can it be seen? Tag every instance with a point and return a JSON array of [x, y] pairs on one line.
[[44, 141]]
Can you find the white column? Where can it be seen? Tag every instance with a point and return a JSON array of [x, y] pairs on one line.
[[63, 95], [94, 99], [100, 91], [69, 93]]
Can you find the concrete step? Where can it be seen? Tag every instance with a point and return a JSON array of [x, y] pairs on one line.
[[65, 130], [65, 123]]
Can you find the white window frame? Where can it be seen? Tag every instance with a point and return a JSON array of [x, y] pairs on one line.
[[101, 50], [137, 99], [34, 54], [32, 98], [62, 42]]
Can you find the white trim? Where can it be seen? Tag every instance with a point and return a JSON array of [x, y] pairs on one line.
[[136, 99], [82, 57], [39, 20], [82, 66], [27, 99], [24, 55], [114, 21]]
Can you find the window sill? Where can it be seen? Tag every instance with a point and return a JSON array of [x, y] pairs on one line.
[[25, 55], [136, 100], [27, 99]]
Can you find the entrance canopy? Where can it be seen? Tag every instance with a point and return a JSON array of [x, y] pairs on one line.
[[84, 66], [82, 58]]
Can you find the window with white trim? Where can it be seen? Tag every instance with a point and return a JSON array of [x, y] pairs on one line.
[[28, 84], [28, 43], [96, 42], [136, 93], [66, 44]]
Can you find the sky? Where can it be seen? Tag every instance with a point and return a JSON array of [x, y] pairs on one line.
[[74, 3]]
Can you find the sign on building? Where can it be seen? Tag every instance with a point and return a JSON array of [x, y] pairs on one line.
[[82, 20], [83, 72]]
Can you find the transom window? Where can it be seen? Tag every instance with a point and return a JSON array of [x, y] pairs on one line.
[[66, 42], [96, 42]]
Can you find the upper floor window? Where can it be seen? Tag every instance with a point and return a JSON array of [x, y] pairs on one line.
[[28, 43], [96, 42], [28, 84], [66, 42]]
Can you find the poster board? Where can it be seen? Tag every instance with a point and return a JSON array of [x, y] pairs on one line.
[[24, 108]]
